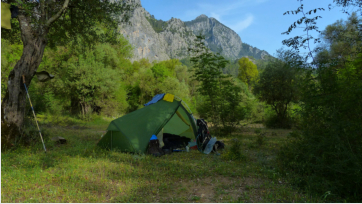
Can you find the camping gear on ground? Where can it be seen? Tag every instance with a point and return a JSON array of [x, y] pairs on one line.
[[175, 141], [210, 145], [219, 145], [205, 143], [192, 145], [167, 151], [178, 150], [132, 132], [36, 121], [59, 140], [154, 137], [154, 147], [203, 134]]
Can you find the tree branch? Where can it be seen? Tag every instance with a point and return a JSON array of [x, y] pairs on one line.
[[56, 16]]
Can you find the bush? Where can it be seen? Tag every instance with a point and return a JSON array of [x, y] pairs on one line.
[[279, 86], [327, 155], [272, 121], [222, 96], [260, 138], [292, 119], [234, 153]]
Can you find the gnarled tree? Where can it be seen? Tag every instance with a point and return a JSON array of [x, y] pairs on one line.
[[53, 22]]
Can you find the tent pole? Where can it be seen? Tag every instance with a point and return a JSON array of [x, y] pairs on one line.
[[36, 121]]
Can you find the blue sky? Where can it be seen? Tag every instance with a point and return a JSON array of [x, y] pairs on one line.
[[258, 22]]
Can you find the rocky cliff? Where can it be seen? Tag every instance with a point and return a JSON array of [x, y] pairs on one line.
[[178, 38], [219, 38], [162, 40]]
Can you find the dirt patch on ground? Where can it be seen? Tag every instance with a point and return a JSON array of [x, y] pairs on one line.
[[218, 189]]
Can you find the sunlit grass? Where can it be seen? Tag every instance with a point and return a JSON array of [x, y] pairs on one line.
[[80, 172]]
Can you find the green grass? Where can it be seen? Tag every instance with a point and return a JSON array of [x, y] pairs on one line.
[[80, 172]]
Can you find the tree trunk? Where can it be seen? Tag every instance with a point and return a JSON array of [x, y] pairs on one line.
[[14, 103]]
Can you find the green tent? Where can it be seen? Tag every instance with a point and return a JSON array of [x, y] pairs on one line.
[[132, 132]]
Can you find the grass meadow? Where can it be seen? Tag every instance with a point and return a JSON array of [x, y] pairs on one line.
[[80, 172]]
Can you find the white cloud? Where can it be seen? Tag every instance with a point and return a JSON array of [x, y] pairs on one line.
[[220, 11], [215, 15], [240, 26]]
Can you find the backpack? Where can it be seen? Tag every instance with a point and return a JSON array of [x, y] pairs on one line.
[[203, 134], [154, 148], [203, 137]]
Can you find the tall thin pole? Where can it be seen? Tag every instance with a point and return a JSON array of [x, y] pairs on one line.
[[41, 137]]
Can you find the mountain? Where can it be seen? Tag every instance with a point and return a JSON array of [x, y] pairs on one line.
[[161, 40]]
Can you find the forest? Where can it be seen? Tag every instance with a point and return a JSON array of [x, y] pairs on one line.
[[295, 120]]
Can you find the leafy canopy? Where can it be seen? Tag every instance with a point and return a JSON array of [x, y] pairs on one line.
[[96, 21], [221, 97], [248, 72], [278, 84]]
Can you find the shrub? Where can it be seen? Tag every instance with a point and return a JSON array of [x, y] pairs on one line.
[[327, 155], [260, 139], [234, 152], [278, 86]]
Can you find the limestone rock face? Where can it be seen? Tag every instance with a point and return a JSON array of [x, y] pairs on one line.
[[163, 40], [248, 50], [219, 38], [178, 37], [145, 41]]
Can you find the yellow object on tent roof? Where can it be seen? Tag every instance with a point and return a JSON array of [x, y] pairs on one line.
[[169, 97], [5, 16]]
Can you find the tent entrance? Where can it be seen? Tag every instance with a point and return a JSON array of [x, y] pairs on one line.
[[180, 124]]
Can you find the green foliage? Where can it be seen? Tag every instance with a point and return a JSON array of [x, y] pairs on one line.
[[186, 61], [157, 25], [327, 155], [279, 83], [221, 97], [260, 138], [160, 72], [248, 72], [347, 3], [10, 54], [292, 120], [262, 63], [234, 152], [342, 39], [330, 147], [81, 167], [87, 80], [144, 80], [232, 68], [165, 69], [93, 20], [310, 24]]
